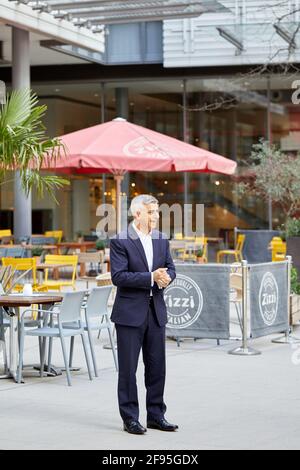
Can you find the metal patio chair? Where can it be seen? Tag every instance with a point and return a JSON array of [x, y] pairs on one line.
[[68, 312], [96, 319]]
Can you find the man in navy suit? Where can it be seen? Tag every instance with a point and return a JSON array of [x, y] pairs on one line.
[[141, 267]]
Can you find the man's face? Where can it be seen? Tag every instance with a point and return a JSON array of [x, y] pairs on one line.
[[148, 217]]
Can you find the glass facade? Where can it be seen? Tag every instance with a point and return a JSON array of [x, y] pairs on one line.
[[225, 115]]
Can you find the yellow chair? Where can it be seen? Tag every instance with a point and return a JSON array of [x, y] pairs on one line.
[[69, 260], [6, 233], [237, 252], [23, 264], [6, 276], [178, 236], [278, 248], [58, 234]]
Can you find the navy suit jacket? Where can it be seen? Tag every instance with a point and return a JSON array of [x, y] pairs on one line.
[[130, 273]]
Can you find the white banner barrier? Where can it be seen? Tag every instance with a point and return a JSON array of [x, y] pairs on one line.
[[268, 288]]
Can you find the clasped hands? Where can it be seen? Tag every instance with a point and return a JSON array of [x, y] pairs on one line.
[[161, 277]]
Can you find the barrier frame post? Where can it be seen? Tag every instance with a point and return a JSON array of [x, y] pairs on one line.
[[245, 350], [288, 338]]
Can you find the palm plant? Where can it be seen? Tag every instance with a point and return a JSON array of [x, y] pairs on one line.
[[24, 146]]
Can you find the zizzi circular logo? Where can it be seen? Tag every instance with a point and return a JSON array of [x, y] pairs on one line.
[[268, 299], [184, 301]]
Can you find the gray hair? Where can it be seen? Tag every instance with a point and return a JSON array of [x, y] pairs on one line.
[[138, 202]]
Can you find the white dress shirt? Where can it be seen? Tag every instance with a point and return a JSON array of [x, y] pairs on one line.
[[146, 241]]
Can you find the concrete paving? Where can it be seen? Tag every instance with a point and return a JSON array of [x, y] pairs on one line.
[[218, 401]]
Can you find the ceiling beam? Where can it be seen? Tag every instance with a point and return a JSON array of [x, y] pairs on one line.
[[74, 51], [157, 10], [131, 10], [24, 17], [137, 4], [139, 17]]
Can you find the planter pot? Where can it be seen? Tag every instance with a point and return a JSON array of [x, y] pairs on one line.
[[101, 255], [295, 309], [200, 260], [293, 250], [104, 268], [101, 250]]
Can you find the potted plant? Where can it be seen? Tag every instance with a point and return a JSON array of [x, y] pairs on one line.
[[295, 298], [37, 253], [79, 235], [199, 255], [100, 245]]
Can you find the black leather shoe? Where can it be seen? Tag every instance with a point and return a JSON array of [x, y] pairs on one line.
[[161, 424], [134, 427]]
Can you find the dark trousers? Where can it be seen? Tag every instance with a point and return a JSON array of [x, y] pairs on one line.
[[150, 337]]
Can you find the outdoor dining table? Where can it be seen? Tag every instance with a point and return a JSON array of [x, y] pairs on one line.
[[13, 303], [31, 247], [214, 239], [6, 238], [41, 267], [82, 246], [87, 280], [208, 239]]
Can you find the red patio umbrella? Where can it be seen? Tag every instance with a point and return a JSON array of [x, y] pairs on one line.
[[119, 146]]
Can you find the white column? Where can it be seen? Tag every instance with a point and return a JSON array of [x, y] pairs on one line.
[[21, 80], [187, 212], [122, 106]]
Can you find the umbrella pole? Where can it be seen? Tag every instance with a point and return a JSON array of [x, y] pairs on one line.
[[118, 180]]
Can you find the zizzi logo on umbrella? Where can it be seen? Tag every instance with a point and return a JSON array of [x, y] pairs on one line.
[[184, 302], [268, 299], [142, 146]]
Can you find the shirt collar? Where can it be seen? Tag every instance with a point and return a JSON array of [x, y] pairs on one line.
[[140, 233]]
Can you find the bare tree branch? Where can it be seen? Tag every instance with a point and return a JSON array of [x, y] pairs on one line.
[[286, 67]]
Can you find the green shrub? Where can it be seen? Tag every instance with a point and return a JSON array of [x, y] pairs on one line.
[[293, 227], [37, 251], [200, 252], [295, 285], [100, 245]]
